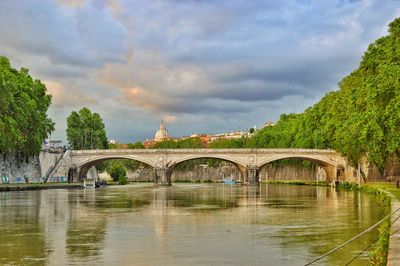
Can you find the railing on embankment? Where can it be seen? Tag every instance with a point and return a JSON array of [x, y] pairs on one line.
[[394, 240], [56, 165], [393, 255]]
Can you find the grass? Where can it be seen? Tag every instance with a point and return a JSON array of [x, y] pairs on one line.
[[389, 187], [193, 181], [295, 182], [38, 184], [379, 253]]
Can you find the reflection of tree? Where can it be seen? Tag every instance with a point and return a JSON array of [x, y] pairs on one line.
[[326, 220], [129, 200], [87, 227], [212, 196], [85, 237], [21, 244], [22, 238]]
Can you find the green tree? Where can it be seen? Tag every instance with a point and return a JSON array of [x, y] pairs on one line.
[[117, 171], [136, 145], [24, 102], [189, 143], [85, 130], [360, 120], [228, 143]]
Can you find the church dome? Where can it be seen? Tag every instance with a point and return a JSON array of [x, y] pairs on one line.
[[162, 133]]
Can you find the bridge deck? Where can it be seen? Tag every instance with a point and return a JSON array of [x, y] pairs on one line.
[[204, 150]]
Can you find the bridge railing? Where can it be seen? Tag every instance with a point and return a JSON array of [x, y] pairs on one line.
[[204, 150]]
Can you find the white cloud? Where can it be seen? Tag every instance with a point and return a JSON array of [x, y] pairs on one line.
[[67, 97]]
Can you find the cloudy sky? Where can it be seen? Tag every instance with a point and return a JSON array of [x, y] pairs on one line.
[[205, 66]]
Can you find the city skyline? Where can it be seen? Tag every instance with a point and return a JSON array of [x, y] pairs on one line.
[[202, 66]]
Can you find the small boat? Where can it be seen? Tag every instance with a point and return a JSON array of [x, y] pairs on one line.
[[229, 181], [88, 183]]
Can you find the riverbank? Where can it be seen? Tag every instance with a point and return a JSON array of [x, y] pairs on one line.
[[38, 186], [393, 232]]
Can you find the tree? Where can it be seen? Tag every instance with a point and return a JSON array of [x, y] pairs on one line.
[[228, 143], [189, 143], [85, 130], [360, 120], [136, 145], [24, 123], [117, 172]]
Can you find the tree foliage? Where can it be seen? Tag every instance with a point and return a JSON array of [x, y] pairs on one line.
[[24, 123], [228, 143], [189, 143], [85, 130], [117, 171], [360, 119], [136, 145]]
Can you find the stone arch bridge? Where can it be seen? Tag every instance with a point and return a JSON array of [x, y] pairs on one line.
[[248, 161]]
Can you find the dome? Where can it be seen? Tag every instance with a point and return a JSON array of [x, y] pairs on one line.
[[162, 133]]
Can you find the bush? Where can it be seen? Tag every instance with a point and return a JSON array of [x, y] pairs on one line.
[[123, 180], [117, 171]]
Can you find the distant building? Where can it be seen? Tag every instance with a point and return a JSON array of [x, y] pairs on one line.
[[161, 135], [206, 139], [267, 124], [52, 144], [112, 141], [230, 135]]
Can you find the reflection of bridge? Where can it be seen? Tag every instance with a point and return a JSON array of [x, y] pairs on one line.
[[248, 161]]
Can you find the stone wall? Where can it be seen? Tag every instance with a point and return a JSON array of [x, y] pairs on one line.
[[391, 172], [202, 173], [15, 170], [273, 173], [47, 160]]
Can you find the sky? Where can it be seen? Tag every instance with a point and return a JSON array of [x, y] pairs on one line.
[[203, 66]]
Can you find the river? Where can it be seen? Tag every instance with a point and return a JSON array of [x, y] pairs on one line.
[[186, 224]]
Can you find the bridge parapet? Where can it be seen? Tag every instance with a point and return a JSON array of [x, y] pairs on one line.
[[205, 150]]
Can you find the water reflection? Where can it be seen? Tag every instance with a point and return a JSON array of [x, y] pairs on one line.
[[21, 234], [183, 224]]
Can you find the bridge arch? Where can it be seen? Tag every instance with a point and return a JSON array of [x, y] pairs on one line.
[[316, 159], [329, 166], [101, 158], [239, 165], [207, 156], [84, 166]]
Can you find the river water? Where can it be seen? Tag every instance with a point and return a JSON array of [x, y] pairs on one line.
[[186, 224]]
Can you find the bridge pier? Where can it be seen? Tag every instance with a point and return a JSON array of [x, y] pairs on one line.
[[331, 174], [252, 173], [162, 176], [72, 174]]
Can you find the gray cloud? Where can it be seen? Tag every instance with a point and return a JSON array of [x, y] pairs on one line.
[[209, 66]]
